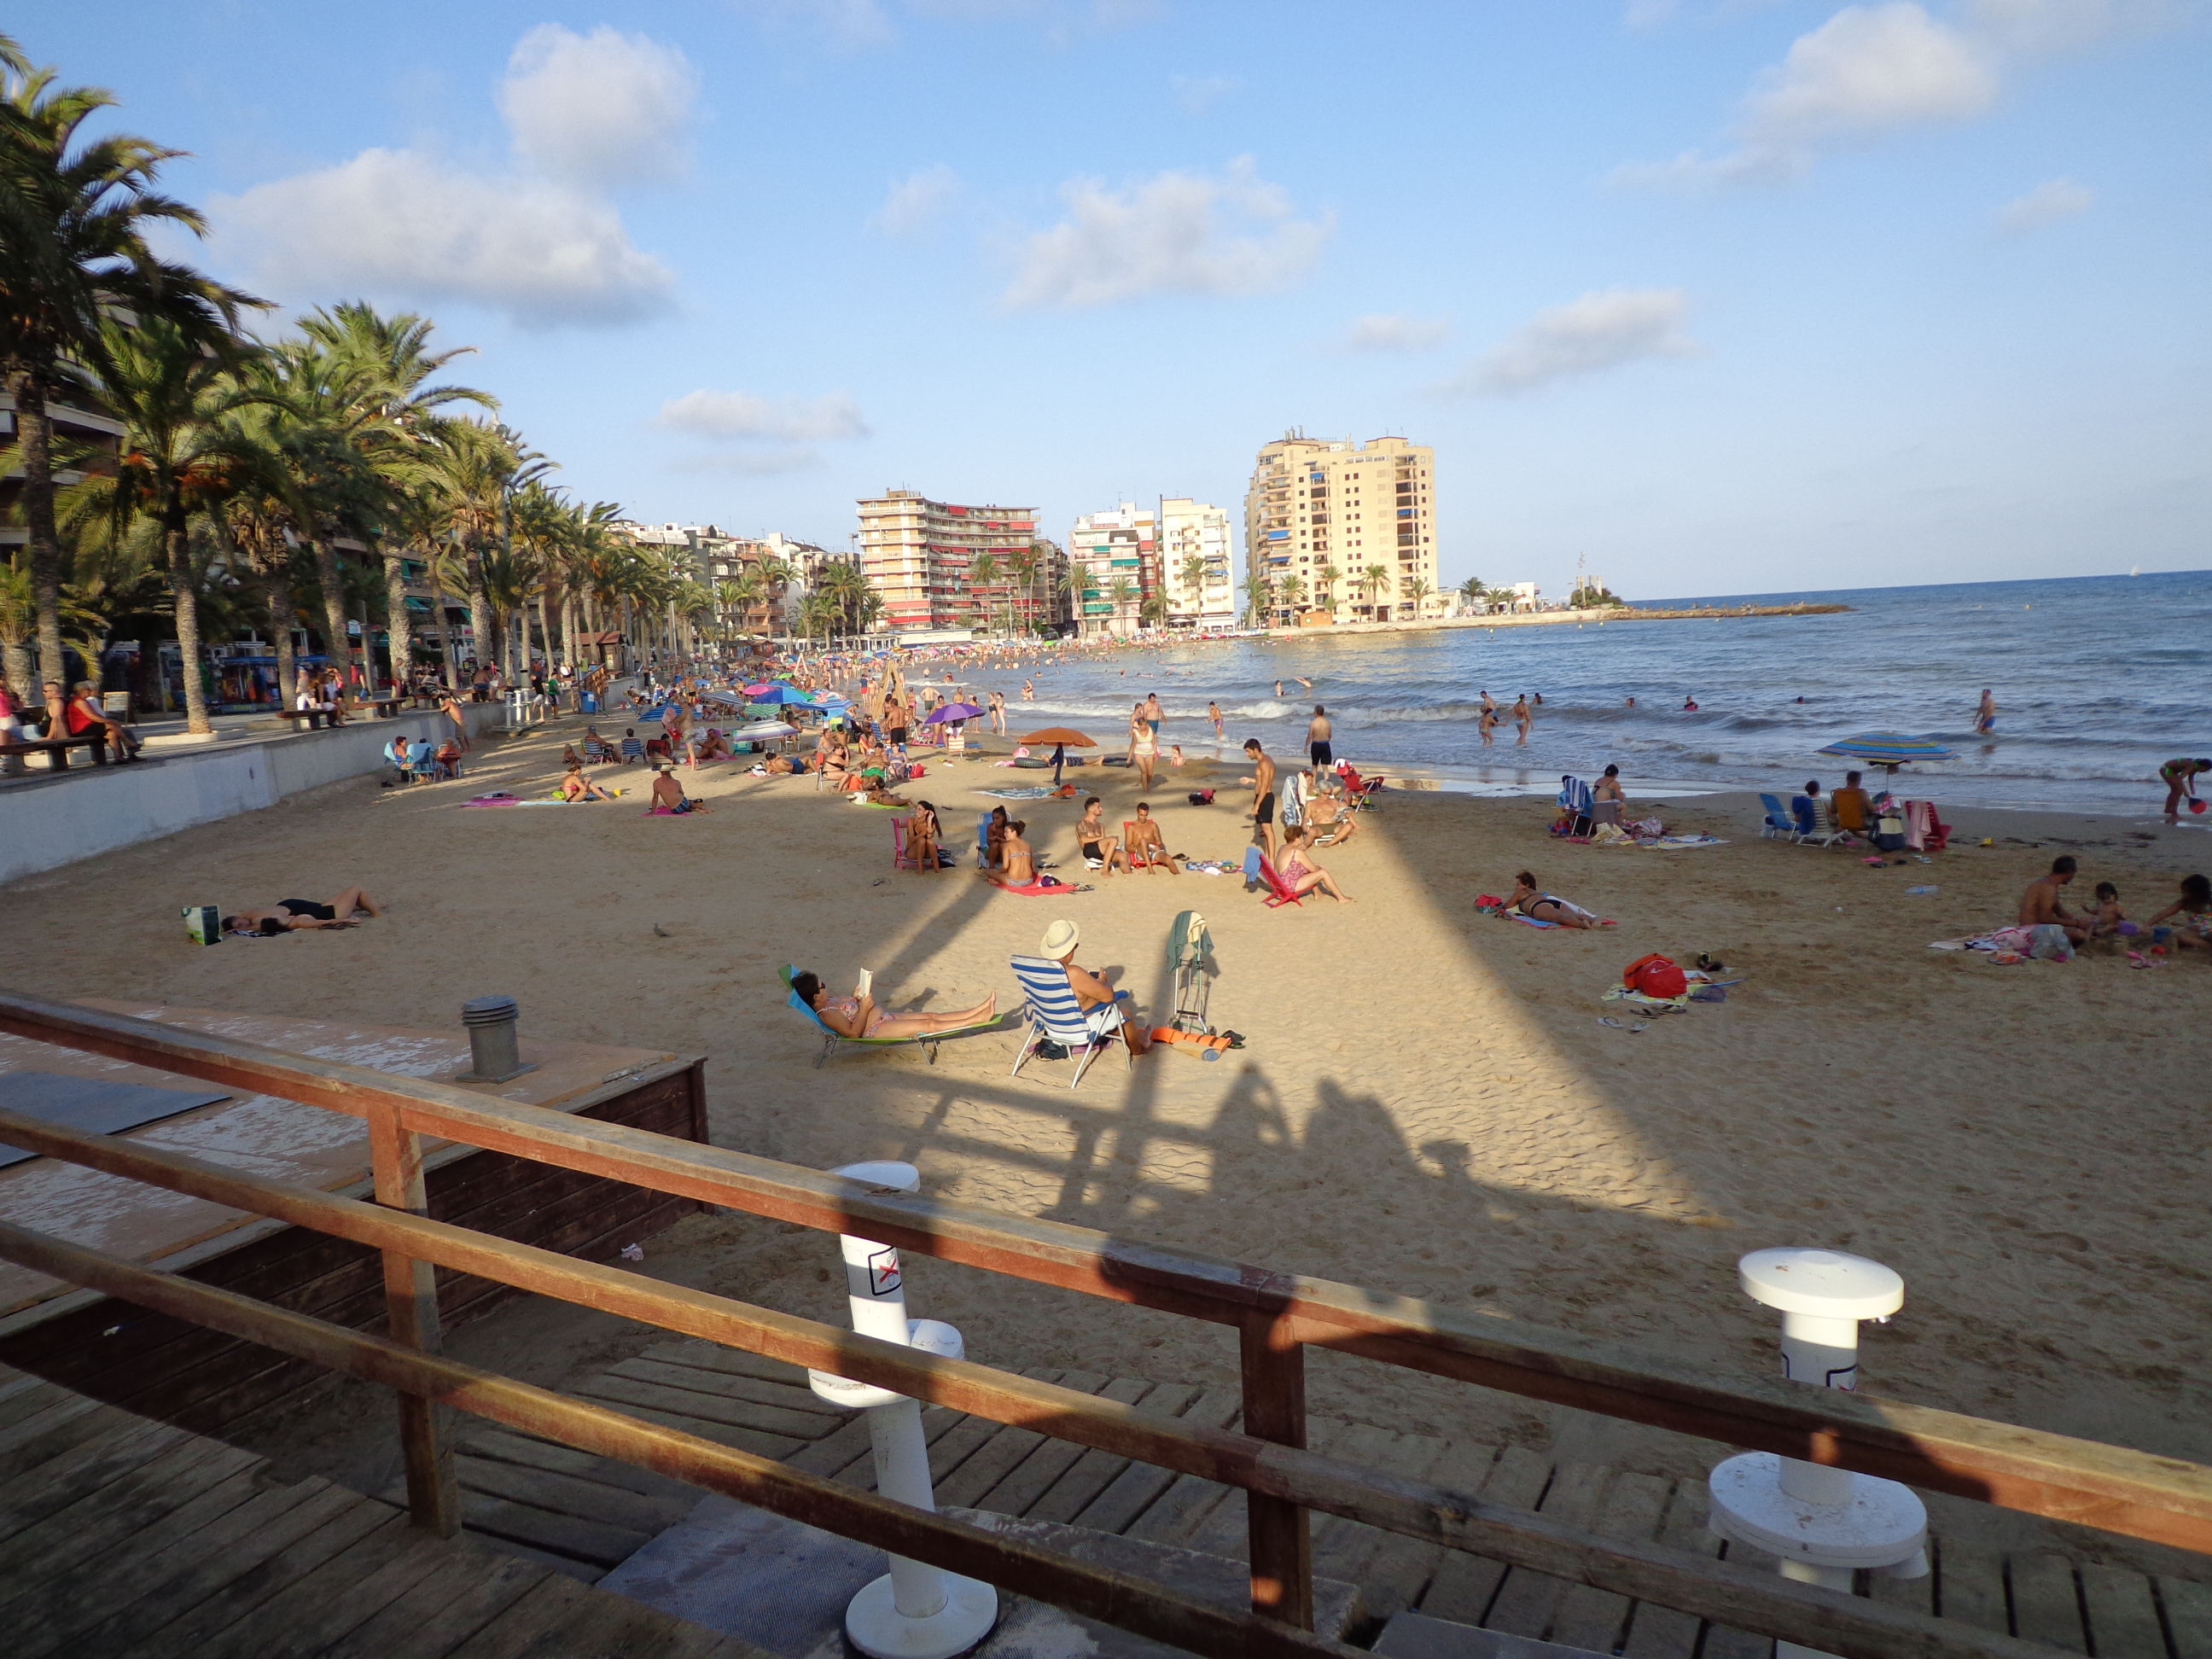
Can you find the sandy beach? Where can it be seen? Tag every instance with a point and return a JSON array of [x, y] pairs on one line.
[[1427, 1105]]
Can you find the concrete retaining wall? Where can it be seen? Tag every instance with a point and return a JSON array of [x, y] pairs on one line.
[[45, 823]]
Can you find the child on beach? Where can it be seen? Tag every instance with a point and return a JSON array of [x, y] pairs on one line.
[[2107, 919]]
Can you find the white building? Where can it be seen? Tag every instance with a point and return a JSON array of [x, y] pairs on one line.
[[1105, 549], [1197, 564]]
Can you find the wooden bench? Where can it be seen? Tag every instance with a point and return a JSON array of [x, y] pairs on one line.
[[56, 749], [386, 708], [315, 718]]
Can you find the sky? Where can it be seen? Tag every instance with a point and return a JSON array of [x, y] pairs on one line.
[[1715, 295]]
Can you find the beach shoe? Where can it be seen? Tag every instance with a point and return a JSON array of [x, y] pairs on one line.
[[1710, 964], [1619, 1026], [1050, 1050]]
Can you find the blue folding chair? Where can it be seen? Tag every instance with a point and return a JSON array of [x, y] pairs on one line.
[[1781, 824], [1055, 1015]]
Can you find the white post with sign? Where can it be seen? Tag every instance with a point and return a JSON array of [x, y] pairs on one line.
[[915, 1611]]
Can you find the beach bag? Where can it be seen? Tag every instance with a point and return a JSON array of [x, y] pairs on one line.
[[2052, 944], [1889, 832], [1202, 798], [1655, 975]]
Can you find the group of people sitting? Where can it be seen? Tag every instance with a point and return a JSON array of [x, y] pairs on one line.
[[415, 758], [2187, 922]]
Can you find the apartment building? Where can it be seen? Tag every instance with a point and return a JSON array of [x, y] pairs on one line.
[[1116, 553], [1197, 564], [1343, 531], [939, 565]]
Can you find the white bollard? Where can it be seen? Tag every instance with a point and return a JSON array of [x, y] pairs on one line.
[[915, 1611], [1824, 1524]]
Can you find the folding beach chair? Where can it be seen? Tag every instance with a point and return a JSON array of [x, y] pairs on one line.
[[833, 1039], [903, 855], [1827, 829], [983, 841], [1359, 792], [1280, 892], [1780, 823], [1149, 859], [1055, 1016]]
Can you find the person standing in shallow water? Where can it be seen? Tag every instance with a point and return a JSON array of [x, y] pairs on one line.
[[1985, 716]]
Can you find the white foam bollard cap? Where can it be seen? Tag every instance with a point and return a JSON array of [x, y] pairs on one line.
[[883, 1173], [1827, 1284]]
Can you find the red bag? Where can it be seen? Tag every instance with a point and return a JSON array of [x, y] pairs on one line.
[[1655, 975]]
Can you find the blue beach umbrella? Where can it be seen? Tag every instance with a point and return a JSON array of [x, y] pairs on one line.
[[1888, 749]]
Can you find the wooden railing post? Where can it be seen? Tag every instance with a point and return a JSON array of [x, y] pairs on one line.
[[410, 1299], [1281, 1543]]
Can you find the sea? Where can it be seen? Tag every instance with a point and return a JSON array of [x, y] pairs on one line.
[[2098, 680]]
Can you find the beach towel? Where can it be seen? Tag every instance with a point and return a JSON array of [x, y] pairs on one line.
[[1036, 792], [1527, 921], [1044, 885]]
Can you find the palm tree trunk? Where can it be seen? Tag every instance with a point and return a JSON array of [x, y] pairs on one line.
[[449, 641], [569, 627], [34, 439], [336, 642], [284, 617], [545, 631], [398, 626], [185, 595], [15, 667], [480, 617]]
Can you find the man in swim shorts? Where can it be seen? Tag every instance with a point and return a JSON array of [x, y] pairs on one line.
[[2040, 903], [1318, 733], [1263, 796]]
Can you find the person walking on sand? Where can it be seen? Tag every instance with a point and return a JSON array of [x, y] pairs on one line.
[[1263, 796], [1985, 716], [1144, 748], [1213, 714], [1318, 741]]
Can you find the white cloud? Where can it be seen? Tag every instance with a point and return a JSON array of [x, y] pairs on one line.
[[1867, 71], [1175, 233], [1194, 94], [402, 223], [742, 415], [1394, 332], [599, 109], [1601, 330], [1871, 69], [914, 204], [2046, 204], [540, 241]]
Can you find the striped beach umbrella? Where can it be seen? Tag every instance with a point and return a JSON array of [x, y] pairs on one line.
[[1888, 749]]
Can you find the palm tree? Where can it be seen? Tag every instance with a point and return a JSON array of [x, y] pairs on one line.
[[776, 576], [387, 361], [1259, 597], [1416, 590], [73, 261], [1373, 579], [173, 396], [1191, 573], [1324, 581], [982, 572], [1022, 565], [1153, 612], [1121, 590], [1292, 592]]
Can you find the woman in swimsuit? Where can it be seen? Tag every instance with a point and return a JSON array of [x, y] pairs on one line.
[[1539, 906], [1144, 748], [1299, 873], [293, 915], [921, 833], [858, 1017]]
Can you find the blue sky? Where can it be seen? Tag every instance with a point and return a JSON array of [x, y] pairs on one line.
[[1724, 294]]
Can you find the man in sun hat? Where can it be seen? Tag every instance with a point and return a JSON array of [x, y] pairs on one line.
[[1059, 944]]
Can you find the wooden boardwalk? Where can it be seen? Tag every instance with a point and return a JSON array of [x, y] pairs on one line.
[[580, 1515], [127, 1539]]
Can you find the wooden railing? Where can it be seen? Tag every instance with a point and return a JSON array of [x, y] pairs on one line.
[[1277, 1317]]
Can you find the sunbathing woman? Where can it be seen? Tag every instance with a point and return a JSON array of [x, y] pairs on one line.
[[1299, 873], [858, 1017], [574, 785], [293, 916], [1539, 906]]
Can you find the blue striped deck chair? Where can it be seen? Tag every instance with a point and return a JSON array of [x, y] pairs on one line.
[[833, 1039], [1055, 1016]]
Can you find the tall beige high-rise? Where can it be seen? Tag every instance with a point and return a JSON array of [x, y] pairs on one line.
[[1343, 531]]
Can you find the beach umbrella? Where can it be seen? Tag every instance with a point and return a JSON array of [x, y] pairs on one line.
[[777, 693], [759, 731], [1888, 749], [1073, 738], [952, 711], [754, 690]]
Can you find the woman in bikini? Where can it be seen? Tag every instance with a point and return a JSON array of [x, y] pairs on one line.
[[858, 1017], [1299, 873], [1537, 905], [921, 833], [293, 915], [1144, 747]]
